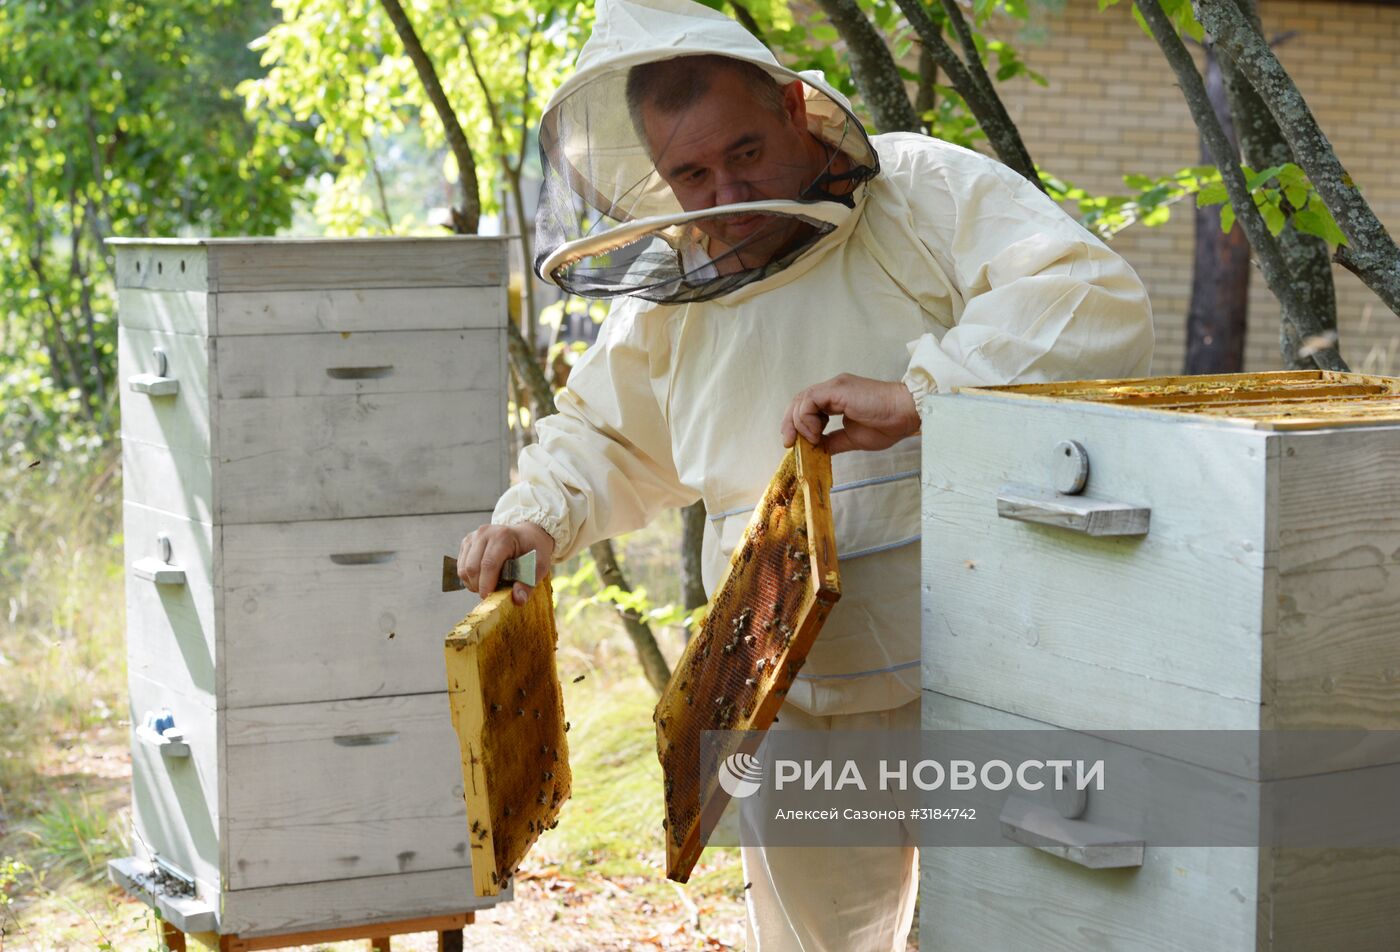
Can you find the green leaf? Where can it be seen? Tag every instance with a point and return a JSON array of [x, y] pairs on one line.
[[1257, 179], [1157, 216], [1227, 218], [1319, 224], [1139, 182], [1273, 217], [1297, 196], [1212, 194]]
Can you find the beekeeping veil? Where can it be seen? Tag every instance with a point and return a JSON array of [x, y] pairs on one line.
[[610, 223]]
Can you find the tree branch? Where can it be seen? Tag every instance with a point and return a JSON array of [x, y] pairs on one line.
[[971, 56], [873, 67], [1271, 259], [379, 186], [989, 111], [1373, 254], [654, 665], [927, 99], [79, 278], [745, 18], [1263, 145], [470, 212], [497, 127]]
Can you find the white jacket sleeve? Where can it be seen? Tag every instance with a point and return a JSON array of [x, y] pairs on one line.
[[1035, 296], [603, 464]]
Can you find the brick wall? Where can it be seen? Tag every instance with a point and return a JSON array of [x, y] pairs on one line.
[[1112, 107]]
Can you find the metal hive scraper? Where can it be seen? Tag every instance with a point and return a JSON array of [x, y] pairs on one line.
[[778, 589]]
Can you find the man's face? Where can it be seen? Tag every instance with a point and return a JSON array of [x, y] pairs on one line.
[[728, 147]]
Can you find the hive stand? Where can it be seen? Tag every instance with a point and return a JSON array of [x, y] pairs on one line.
[[448, 929]]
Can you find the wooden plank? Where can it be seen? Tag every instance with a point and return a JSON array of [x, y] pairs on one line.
[[317, 852], [342, 457], [312, 365], [1074, 513], [1336, 662], [314, 263], [1335, 899], [351, 762], [171, 629], [171, 265], [372, 628], [347, 310], [1167, 625], [180, 421], [165, 480], [380, 933], [174, 802], [1179, 900], [180, 913], [1182, 899], [171, 312], [351, 903], [508, 714]]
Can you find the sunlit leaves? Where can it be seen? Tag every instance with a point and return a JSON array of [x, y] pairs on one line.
[[1281, 193], [340, 65], [117, 118]]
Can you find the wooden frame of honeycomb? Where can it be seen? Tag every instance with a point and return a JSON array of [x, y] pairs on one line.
[[1273, 400], [778, 589], [508, 712]]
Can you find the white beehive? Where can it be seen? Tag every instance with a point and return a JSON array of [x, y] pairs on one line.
[[1232, 562], [308, 426]]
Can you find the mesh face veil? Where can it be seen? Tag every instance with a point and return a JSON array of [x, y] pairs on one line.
[[683, 179]]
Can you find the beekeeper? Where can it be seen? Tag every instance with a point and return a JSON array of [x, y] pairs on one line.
[[776, 271]]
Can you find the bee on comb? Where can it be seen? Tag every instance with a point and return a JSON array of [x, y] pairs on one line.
[[780, 585]]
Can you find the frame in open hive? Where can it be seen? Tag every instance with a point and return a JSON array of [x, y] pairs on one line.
[[1277, 400], [778, 589], [508, 711]]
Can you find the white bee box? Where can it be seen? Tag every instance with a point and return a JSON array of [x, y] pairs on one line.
[[1231, 563], [308, 426]]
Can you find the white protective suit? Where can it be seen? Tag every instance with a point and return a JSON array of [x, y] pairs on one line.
[[950, 270]]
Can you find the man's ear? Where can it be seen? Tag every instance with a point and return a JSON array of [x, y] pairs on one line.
[[795, 103]]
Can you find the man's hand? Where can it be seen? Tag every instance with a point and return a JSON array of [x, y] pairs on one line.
[[485, 551], [876, 414]]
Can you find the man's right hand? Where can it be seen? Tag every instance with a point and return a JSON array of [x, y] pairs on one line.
[[486, 550]]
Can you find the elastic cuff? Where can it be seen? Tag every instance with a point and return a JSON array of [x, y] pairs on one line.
[[537, 517]]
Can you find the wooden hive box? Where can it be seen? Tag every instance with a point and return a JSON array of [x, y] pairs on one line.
[[1256, 588], [307, 425]]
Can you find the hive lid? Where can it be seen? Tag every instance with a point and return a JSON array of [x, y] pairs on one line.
[[1277, 400]]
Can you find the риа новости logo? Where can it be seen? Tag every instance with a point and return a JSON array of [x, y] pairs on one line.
[[741, 775]]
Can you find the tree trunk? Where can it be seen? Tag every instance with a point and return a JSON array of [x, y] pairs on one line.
[[1264, 146], [1299, 324], [648, 652], [872, 67], [1371, 254], [466, 218], [692, 536], [1217, 317]]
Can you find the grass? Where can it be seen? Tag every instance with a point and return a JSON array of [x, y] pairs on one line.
[[64, 791]]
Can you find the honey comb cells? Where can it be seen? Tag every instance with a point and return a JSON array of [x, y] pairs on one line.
[[778, 589], [508, 711]]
